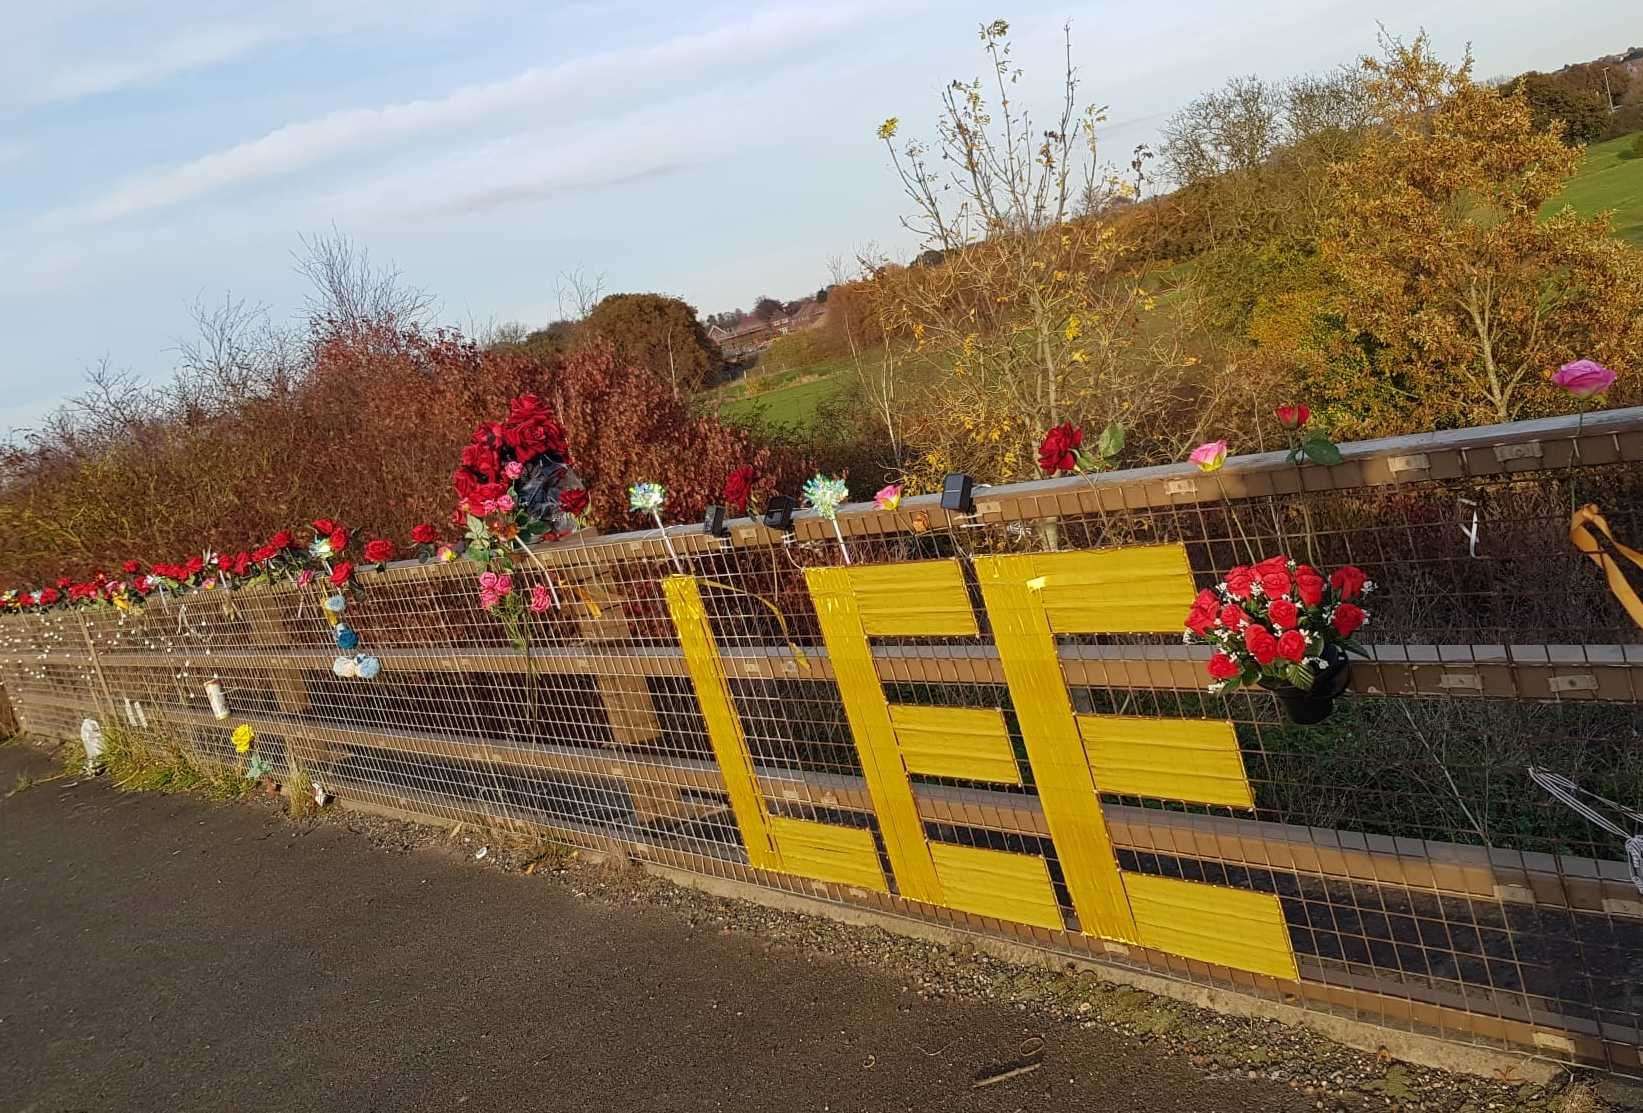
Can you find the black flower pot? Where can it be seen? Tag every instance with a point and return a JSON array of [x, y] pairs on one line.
[[1308, 706]]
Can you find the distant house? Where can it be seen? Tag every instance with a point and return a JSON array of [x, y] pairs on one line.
[[753, 335]]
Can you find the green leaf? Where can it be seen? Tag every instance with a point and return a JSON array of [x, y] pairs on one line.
[[1352, 646], [1300, 676], [1111, 442], [1321, 450], [1085, 461]]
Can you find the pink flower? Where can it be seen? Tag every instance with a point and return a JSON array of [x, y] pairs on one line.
[[513, 469], [1209, 456], [504, 504], [1584, 378], [541, 599], [305, 577], [888, 496], [445, 555], [493, 588]]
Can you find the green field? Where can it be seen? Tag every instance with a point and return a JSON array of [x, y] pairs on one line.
[[1608, 181], [788, 398]]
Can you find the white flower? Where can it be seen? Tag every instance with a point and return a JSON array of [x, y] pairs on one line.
[[646, 498], [825, 495], [320, 549]]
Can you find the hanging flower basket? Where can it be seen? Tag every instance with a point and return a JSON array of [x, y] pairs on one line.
[[1280, 625]]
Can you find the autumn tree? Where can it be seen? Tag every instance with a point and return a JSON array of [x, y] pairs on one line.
[[1026, 314], [1458, 297], [661, 335], [625, 427]]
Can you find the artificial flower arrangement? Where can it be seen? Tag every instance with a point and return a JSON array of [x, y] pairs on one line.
[[1284, 626], [515, 486]]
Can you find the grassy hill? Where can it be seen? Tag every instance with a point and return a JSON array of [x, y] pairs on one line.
[[1607, 180], [786, 398]]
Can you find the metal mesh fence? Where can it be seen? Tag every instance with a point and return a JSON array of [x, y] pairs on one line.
[[908, 719]]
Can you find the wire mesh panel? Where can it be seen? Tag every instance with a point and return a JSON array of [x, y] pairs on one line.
[[987, 718]]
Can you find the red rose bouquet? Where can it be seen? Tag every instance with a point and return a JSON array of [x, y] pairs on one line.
[[514, 483], [1279, 623]]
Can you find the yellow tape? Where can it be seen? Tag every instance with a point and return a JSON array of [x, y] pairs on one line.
[[724, 726], [842, 627], [820, 850], [1211, 923], [996, 883], [968, 742], [1026, 646], [1195, 760], [1586, 519], [829, 853]]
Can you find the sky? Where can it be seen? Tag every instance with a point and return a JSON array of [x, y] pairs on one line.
[[153, 156]]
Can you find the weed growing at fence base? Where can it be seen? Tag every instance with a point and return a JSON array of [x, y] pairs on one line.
[[159, 764]]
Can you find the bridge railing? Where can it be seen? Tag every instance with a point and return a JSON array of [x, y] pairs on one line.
[[989, 720]]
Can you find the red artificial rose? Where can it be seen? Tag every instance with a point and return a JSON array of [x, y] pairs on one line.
[[1261, 644], [1206, 600], [324, 527], [1222, 667], [1240, 582], [424, 534], [1293, 416], [64, 583], [1347, 618], [532, 430], [1284, 614], [1292, 645], [282, 540], [194, 567], [1272, 564], [339, 539], [1275, 584], [1309, 586], [264, 553], [48, 596], [341, 573], [483, 460], [1201, 620], [1232, 616], [1058, 450], [464, 481], [1349, 581], [379, 551], [573, 501], [132, 567], [739, 488], [242, 564]]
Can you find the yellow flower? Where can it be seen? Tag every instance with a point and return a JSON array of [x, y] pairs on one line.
[[243, 737], [1074, 329], [1080, 356], [887, 130]]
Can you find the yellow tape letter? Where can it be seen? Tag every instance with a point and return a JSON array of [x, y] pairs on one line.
[[1030, 600], [924, 599], [798, 846]]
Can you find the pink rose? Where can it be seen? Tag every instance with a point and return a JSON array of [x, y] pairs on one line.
[[1584, 378], [504, 504], [541, 599], [1209, 456], [513, 469]]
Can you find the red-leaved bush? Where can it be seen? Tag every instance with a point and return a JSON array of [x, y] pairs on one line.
[[364, 425]]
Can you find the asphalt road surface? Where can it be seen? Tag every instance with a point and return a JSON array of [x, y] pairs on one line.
[[162, 953]]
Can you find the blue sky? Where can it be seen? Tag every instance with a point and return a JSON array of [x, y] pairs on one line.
[[156, 154]]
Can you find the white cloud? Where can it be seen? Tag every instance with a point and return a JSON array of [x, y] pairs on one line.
[[69, 49], [551, 89]]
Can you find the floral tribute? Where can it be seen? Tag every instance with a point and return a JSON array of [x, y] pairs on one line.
[[1062, 450], [1278, 621], [515, 484]]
